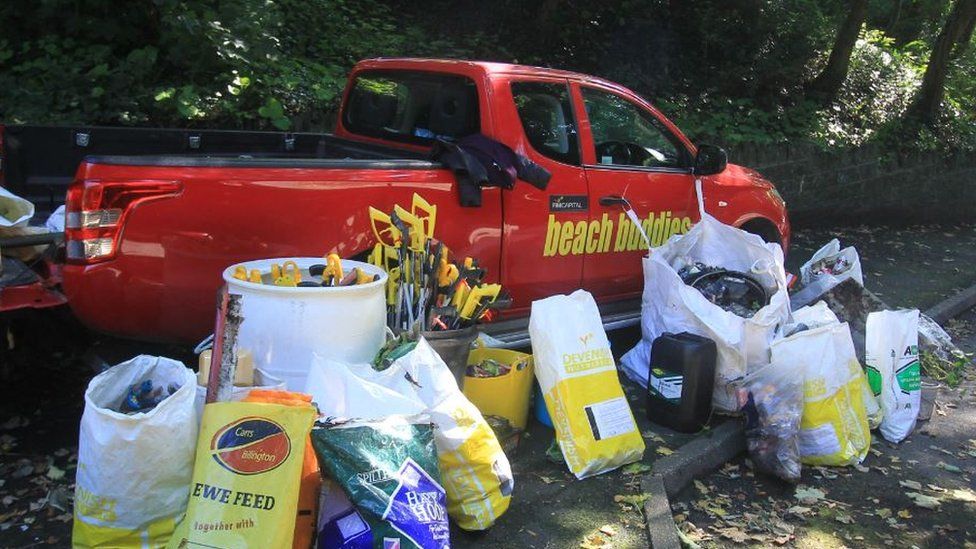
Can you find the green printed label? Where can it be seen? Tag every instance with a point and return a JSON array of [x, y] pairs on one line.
[[910, 377], [874, 379]]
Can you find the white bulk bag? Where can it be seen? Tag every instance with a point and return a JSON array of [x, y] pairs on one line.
[[134, 470], [670, 305]]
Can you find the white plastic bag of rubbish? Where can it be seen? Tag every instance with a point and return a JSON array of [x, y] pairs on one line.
[[670, 305], [475, 472], [828, 267], [594, 425], [134, 470], [55, 221], [14, 210], [894, 371], [834, 426]]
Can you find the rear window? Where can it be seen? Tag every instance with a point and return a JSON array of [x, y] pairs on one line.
[[413, 107]]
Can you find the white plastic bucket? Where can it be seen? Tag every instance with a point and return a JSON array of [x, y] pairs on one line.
[[284, 326]]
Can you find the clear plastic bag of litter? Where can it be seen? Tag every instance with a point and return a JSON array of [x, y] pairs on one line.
[[772, 401]]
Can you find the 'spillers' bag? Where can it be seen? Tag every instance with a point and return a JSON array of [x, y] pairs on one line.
[[578, 377], [388, 470]]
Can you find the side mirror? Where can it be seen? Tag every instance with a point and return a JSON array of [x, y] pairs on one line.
[[710, 160]]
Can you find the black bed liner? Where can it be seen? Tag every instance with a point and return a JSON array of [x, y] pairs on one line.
[[40, 161]]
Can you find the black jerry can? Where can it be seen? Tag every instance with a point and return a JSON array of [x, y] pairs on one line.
[[680, 381]]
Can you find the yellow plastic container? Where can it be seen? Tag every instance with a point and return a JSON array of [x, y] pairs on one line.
[[507, 395]]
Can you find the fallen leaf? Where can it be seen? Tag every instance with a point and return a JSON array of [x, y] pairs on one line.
[[22, 471], [636, 468], [14, 423], [809, 495], [798, 510], [905, 514], [608, 530], [732, 533], [592, 541], [637, 500], [664, 450], [964, 494], [884, 512], [861, 468], [844, 518], [921, 500], [948, 467], [702, 489], [54, 473], [910, 484]]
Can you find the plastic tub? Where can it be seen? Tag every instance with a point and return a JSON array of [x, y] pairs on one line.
[[284, 326], [506, 395]]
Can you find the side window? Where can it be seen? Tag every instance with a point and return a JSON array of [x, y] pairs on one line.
[[412, 106], [624, 134], [546, 112]]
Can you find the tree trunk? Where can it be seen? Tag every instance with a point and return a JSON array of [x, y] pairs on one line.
[[826, 85], [957, 32]]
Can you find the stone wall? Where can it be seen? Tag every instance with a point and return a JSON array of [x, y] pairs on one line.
[[866, 184]]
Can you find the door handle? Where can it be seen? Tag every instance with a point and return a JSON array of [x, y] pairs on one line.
[[613, 200]]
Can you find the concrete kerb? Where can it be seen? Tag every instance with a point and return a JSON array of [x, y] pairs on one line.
[[952, 306], [670, 474]]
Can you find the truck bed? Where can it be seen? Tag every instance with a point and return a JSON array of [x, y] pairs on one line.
[[40, 161]]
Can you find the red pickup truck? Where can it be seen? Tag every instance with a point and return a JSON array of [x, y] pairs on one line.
[[148, 236]]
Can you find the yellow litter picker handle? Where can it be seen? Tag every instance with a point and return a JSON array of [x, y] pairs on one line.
[[476, 296], [392, 285], [425, 211], [383, 228], [377, 256], [333, 269], [417, 235], [447, 274], [289, 274]]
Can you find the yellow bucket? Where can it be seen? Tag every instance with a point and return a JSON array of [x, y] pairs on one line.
[[506, 395]]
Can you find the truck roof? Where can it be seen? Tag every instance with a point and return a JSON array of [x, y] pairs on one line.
[[488, 67]]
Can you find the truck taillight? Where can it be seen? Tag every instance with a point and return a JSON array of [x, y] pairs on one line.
[[95, 212]]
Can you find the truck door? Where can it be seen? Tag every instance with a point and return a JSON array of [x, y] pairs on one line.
[[539, 257], [629, 152]]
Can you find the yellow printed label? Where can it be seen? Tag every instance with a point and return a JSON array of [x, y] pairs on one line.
[[587, 360], [606, 235]]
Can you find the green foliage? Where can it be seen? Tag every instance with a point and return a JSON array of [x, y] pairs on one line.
[[725, 71]]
